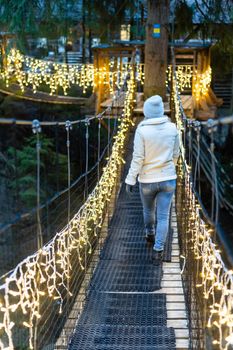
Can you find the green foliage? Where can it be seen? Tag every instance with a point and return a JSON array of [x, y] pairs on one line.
[[209, 19], [183, 18], [107, 15], [214, 11], [222, 59], [24, 162], [36, 18]]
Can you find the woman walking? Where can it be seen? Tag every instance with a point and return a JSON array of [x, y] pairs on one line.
[[155, 154]]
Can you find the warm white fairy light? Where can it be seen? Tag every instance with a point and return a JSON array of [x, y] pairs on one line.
[[29, 71], [184, 76], [47, 272], [187, 75], [201, 83], [216, 279]]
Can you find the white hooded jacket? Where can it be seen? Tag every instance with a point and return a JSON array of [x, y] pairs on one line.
[[156, 150]]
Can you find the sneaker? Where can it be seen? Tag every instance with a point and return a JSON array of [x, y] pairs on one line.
[[150, 238], [157, 257]]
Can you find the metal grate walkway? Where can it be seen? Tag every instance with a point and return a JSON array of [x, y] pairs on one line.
[[124, 308]]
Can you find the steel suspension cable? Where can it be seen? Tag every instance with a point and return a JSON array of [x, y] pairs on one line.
[[87, 159], [99, 133], [36, 129], [184, 138], [57, 158], [109, 129], [190, 144], [197, 164], [215, 192], [68, 127], [16, 169]]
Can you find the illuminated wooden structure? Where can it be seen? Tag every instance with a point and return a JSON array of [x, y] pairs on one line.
[[102, 56], [197, 54], [4, 38]]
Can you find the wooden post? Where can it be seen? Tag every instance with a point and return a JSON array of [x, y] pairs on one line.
[[101, 64]]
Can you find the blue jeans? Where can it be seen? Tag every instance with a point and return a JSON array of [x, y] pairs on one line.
[[160, 193]]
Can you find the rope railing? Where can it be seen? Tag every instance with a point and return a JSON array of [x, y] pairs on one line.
[[38, 293], [207, 281], [74, 184], [17, 230]]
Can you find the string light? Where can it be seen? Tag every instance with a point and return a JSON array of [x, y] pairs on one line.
[[187, 75], [184, 75], [29, 71], [48, 270], [216, 280], [201, 83]]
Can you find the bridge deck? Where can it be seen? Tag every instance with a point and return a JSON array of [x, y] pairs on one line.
[[129, 302]]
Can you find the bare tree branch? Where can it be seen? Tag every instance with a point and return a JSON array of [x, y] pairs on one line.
[[200, 10], [208, 10]]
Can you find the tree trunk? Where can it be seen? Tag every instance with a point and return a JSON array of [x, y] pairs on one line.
[[156, 49]]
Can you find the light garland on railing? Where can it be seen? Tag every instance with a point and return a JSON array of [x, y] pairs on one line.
[[216, 279], [29, 71], [184, 76], [45, 272]]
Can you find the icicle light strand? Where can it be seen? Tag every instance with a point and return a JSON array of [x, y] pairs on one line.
[[216, 279], [47, 271], [31, 72]]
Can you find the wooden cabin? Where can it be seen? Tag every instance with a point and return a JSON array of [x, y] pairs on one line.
[[198, 100], [197, 54]]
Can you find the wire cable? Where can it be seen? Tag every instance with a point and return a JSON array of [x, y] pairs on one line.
[[87, 159], [36, 129]]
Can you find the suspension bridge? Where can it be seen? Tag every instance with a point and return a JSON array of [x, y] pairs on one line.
[[83, 277]]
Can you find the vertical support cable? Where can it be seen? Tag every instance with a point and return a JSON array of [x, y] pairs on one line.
[[16, 167], [68, 127], [87, 123], [115, 125], [213, 169], [57, 158], [185, 135], [108, 137], [117, 108], [199, 163], [190, 143], [36, 129], [197, 127], [99, 130], [214, 183]]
